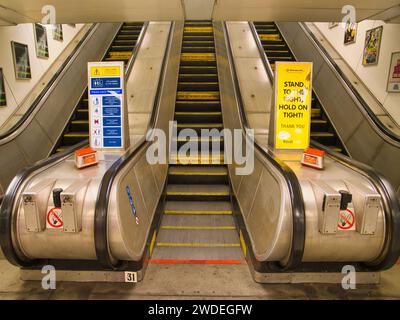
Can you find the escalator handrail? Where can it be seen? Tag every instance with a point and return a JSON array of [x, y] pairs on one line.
[[9, 199], [390, 201], [292, 182], [347, 83], [103, 196], [51, 85], [391, 206]]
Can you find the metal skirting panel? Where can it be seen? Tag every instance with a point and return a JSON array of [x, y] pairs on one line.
[[315, 277], [80, 276]]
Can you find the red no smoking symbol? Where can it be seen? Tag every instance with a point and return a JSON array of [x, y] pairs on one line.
[[346, 220], [54, 219]]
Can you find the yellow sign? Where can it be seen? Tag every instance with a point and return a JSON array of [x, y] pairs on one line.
[[270, 37], [112, 71], [293, 90]]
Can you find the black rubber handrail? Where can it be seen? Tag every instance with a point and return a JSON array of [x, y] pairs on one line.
[[47, 88], [391, 251], [103, 196], [9, 200], [292, 182], [350, 86]]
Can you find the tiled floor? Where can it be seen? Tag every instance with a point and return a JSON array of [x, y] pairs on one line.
[[194, 281]]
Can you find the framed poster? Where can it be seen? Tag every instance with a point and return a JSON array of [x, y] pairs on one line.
[[3, 100], [58, 32], [42, 47], [394, 73], [372, 46], [332, 25], [22, 66], [350, 32]]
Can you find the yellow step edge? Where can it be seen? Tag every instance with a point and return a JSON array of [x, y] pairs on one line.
[[278, 58], [195, 160], [198, 29], [197, 102], [197, 173], [271, 37], [193, 95], [192, 193], [197, 83], [198, 139], [80, 121], [198, 75], [200, 125], [76, 135], [198, 228], [322, 134], [183, 212], [216, 113], [198, 245]]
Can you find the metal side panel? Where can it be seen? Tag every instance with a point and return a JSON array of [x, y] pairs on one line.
[[127, 237], [262, 196], [344, 245], [53, 243]]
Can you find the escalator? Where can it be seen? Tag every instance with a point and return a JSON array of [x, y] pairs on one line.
[[121, 49], [276, 49], [197, 222]]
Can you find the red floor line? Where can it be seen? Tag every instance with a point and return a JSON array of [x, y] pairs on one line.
[[176, 261]]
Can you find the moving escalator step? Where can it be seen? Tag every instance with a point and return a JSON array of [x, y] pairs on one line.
[[197, 223]]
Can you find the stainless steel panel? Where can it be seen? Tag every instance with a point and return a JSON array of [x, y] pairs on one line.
[[302, 48], [29, 139], [142, 83], [387, 162], [254, 84], [248, 187], [268, 214], [289, 30], [127, 238], [12, 160], [155, 40], [242, 42], [364, 143], [335, 101]]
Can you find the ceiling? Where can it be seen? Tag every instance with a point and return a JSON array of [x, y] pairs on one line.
[[76, 11]]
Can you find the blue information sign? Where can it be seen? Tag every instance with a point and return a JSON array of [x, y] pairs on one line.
[[106, 102]]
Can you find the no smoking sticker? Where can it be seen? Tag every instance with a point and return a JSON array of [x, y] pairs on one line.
[[346, 220], [54, 219]]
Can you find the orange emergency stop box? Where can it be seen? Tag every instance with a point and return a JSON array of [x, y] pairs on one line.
[[313, 158], [85, 157]]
